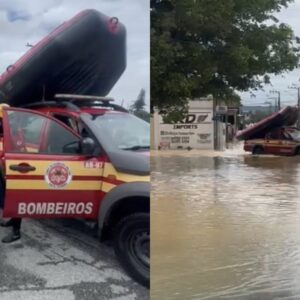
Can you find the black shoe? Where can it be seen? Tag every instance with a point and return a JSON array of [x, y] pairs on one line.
[[6, 223], [14, 236]]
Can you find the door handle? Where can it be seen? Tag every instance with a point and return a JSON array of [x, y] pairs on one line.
[[22, 168]]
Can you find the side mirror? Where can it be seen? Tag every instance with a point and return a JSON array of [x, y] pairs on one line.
[[88, 146]]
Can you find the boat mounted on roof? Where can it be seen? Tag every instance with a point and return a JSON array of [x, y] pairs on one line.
[[287, 116], [85, 55]]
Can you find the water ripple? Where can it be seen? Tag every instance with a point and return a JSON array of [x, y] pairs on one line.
[[225, 227]]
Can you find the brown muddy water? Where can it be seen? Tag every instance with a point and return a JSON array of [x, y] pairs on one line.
[[225, 226]]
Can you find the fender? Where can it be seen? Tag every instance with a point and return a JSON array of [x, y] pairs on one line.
[[126, 190]]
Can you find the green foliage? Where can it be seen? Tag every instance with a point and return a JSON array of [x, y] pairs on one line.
[[174, 114], [138, 107], [201, 47]]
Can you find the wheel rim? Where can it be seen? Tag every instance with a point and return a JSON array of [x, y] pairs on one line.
[[139, 247]]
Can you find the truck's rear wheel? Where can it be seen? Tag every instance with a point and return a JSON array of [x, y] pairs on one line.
[[132, 246], [257, 150]]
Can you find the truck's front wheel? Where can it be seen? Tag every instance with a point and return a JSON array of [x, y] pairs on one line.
[[297, 151], [132, 246], [257, 150]]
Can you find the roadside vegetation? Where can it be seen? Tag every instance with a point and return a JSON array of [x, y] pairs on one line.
[[138, 107], [218, 47]]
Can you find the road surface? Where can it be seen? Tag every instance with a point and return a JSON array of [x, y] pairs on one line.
[[60, 259]]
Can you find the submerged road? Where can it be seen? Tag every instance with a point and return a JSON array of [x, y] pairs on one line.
[[60, 259], [225, 225]]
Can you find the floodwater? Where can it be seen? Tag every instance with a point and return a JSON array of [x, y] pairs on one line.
[[225, 226]]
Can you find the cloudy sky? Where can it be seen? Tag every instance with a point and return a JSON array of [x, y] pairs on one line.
[[282, 82], [23, 22]]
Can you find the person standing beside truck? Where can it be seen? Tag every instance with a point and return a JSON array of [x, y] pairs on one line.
[[15, 223], [15, 234]]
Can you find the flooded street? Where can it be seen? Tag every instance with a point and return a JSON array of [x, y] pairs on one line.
[[225, 226]]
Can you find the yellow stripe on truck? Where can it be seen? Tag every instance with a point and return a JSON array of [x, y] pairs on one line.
[[110, 170], [16, 184], [280, 146], [76, 167], [106, 187]]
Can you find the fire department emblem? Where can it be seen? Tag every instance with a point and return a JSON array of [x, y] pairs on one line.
[[58, 175]]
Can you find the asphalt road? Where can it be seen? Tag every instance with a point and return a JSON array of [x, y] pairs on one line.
[[60, 259]]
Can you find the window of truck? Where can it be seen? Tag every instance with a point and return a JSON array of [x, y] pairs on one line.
[[33, 133]]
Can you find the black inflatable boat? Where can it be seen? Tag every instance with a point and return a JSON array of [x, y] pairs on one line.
[[85, 55]]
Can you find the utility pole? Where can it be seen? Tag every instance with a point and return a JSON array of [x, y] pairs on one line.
[[215, 122], [270, 106], [294, 86], [278, 98], [275, 103]]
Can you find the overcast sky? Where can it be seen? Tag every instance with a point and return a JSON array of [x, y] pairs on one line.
[[29, 21], [282, 82]]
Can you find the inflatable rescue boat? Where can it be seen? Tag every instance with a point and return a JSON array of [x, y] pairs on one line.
[[287, 116], [85, 55]]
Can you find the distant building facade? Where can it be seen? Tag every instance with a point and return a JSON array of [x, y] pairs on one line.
[[196, 131]]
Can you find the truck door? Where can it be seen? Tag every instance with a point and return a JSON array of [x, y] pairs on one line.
[[52, 179], [287, 143], [272, 142]]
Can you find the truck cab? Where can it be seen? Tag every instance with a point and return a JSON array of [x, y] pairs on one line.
[[278, 141], [93, 164]]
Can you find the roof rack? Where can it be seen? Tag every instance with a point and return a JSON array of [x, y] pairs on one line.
[[91, 101], [65, 104], [100, 104], [83, 97], [70, 105]]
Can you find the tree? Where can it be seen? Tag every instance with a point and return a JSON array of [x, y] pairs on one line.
[[138, 107], [201, 47]]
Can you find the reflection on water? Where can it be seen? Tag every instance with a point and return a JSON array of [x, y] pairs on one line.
[[225, 227]]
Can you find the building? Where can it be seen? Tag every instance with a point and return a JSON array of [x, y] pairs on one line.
[[199, 129]]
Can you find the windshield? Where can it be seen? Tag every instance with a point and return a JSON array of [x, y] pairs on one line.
[[295, 134], [125, 131]]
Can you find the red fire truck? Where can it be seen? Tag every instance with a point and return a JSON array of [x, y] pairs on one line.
[[84, 158]]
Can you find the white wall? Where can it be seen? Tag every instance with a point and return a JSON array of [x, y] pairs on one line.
[[196, 131]]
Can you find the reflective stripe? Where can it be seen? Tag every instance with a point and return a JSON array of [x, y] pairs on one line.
[[110, 170], [76, 167], [106, 187], [15, 184]]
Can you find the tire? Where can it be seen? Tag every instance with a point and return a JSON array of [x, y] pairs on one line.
[[257, 150], [132, 246]]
